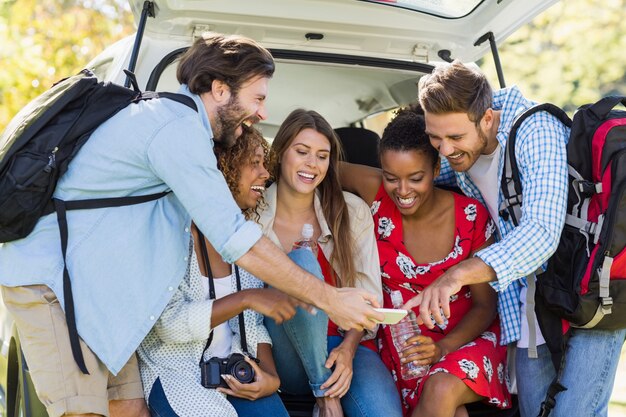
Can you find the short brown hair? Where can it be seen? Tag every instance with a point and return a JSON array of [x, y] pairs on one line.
[[455, 88], [231, 59]]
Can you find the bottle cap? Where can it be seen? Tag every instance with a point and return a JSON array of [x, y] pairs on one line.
[[307, 231], [396, 298]]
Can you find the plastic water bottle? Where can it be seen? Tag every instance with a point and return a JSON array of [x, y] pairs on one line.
[[400, 332], [306, 241]]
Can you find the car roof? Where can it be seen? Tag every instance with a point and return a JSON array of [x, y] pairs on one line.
[[414, 30]]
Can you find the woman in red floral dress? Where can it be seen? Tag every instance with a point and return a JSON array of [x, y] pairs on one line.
[[421, 232]]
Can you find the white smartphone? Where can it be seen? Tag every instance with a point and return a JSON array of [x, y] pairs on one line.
[[392, 315]]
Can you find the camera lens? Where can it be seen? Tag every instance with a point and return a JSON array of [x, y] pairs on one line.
[[243, 372]]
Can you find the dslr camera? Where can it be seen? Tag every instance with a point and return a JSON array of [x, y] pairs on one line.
[[235, 364]]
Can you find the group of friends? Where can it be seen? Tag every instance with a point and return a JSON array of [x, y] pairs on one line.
[[208, 271]]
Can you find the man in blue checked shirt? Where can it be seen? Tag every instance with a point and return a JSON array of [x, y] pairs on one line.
[[126, 262], [469, 124]]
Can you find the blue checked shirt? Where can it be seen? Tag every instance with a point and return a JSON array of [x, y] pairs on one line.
[[541, 155]]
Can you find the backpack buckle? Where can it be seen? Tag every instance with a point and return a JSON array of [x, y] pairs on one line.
[[606, 305], [587, 188], [597, 229]]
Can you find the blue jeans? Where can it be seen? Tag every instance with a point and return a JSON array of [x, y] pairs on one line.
[[301, 347], [157, 402], [271, 405], [266, 406], [372, 392], [591, 362]]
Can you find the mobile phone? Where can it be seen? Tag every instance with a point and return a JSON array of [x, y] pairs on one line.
[[392, 315]]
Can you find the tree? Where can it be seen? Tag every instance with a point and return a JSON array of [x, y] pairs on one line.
[[46, 40], [570, 55]]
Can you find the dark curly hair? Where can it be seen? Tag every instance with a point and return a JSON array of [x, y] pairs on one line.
[[406, 132], [231, 160]]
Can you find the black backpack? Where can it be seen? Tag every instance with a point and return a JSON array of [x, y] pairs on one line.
[[36, 149], [584, 285]]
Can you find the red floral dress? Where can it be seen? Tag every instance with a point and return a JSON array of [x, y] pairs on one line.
[[480, 364]]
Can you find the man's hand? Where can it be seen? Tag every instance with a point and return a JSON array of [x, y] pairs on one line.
[[352, 308], [273, 303], [264, 384], [436, 297]]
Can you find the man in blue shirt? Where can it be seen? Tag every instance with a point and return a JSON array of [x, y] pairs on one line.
[[469, 125], [126, 262]]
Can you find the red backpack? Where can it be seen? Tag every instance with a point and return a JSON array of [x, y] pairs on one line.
[[584, 285], [585, 282]]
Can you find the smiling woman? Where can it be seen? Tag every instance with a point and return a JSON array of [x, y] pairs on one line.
[[422, 232], [341, 369], [247, 185], [213, 295]]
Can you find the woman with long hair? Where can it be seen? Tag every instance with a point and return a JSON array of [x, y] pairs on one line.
[[341, 369], [202, 319]]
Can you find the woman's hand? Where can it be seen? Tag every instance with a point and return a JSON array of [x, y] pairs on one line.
[[339, 381], [264, 384], [273, 303], [422, 350]]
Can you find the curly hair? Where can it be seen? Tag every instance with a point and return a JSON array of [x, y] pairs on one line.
[[231, 160], [406, 132]]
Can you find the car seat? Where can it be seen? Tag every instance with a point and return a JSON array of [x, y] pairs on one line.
[[360, 145]]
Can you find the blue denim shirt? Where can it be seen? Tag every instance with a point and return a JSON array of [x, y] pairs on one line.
[[126, 262]]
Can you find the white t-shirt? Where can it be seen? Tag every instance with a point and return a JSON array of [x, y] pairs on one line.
[[222, 335], [484, 174]]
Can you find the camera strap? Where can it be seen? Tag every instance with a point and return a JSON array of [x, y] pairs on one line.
[[207, 267]]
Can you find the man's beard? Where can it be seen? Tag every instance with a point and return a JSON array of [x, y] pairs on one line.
[[229, 118], [483, 137]]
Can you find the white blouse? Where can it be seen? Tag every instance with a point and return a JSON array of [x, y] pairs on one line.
[[361, 229], [172, 349]]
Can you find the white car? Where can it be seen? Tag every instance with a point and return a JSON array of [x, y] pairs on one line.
[[346, 59]]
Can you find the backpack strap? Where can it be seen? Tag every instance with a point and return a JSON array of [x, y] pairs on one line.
[[180, 98], [530, 316], [605, 306], [510, 182], [555, 386], [61, 207], [602, 108], [149, 95]]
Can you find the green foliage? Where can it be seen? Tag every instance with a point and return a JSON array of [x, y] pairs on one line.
[[46, 40], [570, 55]]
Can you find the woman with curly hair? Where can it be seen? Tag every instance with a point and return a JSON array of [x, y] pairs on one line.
[[422, 231], [197, 326], [341, 369]]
